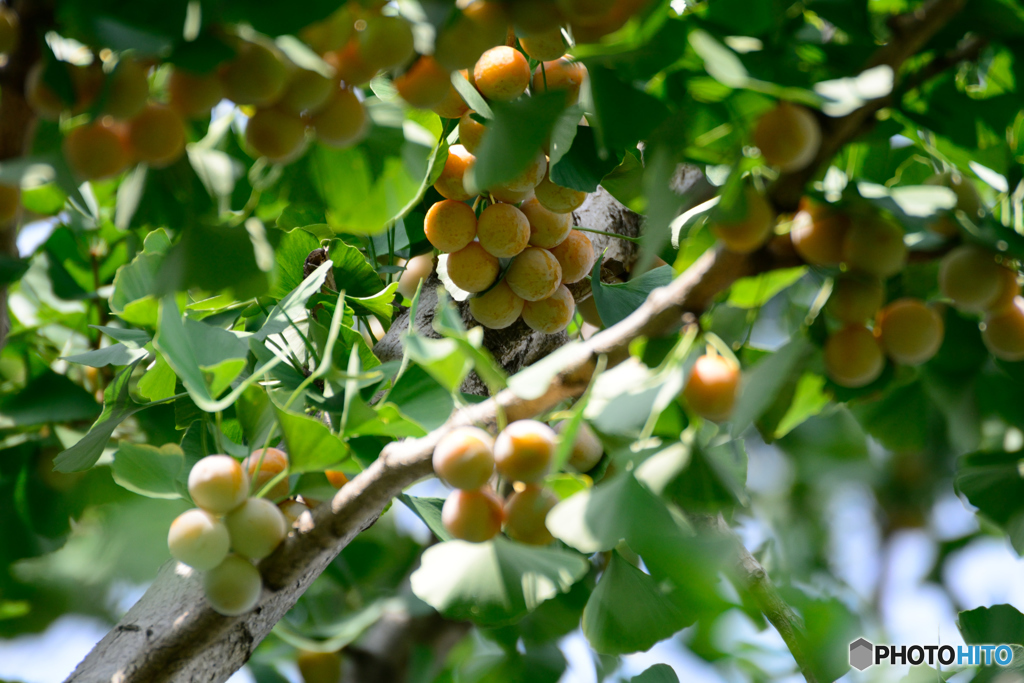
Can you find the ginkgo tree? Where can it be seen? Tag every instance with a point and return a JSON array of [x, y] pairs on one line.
[[268, 267]]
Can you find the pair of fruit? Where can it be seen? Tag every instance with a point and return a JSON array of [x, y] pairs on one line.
[[789, 138], [467, 457], [228, 529], [976, 283]]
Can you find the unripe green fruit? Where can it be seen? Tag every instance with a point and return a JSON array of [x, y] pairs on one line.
[[319, 667], [1004, 332], [198, 539], [524, 450], [473, 516], [498, 308], [586, 447], [464, 458], [853, 357], [9, 25], [550, 315], [342, 122], [128, 91], [855, 298], [910, 331], [257, 527], [386, 42], [526, 512], [218, 484], [970, 276], [875, 246], [534, 275], [307, 91], [233, 587], [712, 387], [258, 76]]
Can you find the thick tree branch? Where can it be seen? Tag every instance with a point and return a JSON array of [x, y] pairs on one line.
[[171, 634]]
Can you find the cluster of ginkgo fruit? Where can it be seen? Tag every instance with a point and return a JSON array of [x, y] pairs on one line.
[[527, 219], [230, 528], [466, 459], [868, 248], [288, 102]]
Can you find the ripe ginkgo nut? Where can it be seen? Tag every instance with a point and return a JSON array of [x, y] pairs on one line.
[[233, 587], [464, 458], [198, 539], [524, 450], [712, 387], [526, 512], [218, 484], [474, 516], [257, 527], [853, 357]]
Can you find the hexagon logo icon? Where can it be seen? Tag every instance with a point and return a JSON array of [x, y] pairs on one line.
[[861, 654]]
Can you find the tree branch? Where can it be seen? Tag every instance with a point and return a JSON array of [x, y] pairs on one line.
[[171, 634]]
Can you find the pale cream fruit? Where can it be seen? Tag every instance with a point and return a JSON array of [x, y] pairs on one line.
[[198, 539], [970, 276], [233, 587], [218, 484], [257, 527]]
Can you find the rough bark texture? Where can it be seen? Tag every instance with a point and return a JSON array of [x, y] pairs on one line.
[[518, 346], [173, 635]]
